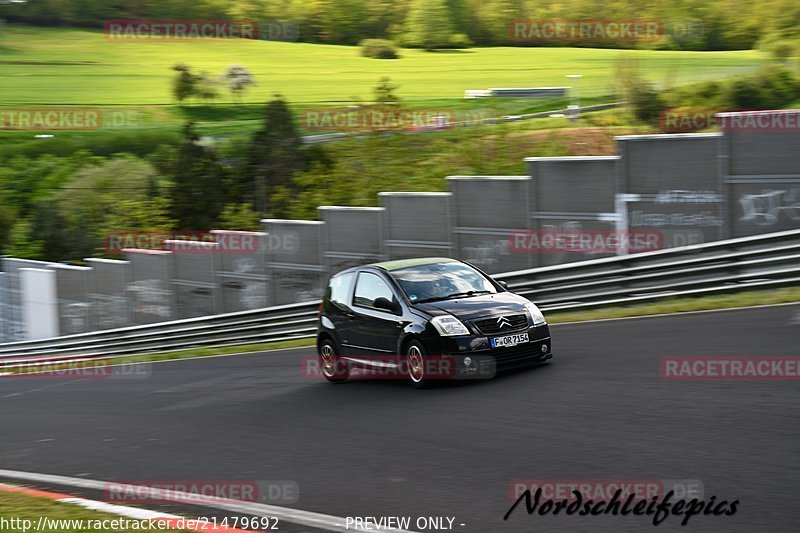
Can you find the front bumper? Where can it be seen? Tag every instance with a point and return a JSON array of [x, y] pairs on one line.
[[474, 358]]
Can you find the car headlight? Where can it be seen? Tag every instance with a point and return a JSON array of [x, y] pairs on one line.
[[448, 325], [536, 315]]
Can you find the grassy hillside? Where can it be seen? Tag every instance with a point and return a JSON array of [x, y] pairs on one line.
[[66, 66]]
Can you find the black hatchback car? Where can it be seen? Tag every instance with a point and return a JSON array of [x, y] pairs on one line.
[[426, 319]]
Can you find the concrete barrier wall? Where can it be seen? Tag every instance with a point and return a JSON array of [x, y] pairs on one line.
[[150, 288], [242, 271], [674, 187], [591, 186], [12, 306], [74, 310], [107, 293], [417, 224], [39, 303], [351, 236], [486, 211], [761, 171], [294, 260], [686, 188], [195, 266]]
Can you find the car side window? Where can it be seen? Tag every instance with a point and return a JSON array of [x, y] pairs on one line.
[[370, 287], [339, 289]]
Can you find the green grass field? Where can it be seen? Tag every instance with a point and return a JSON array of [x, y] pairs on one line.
[[69, 67], [66, 66]]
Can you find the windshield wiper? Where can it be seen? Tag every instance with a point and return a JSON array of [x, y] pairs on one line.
[[451, 296]]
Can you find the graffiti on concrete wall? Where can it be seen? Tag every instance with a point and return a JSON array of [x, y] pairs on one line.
[[766, 208], [659, 220], [303, 285], [111, 311], [677, 209], [253, 294], [75, 317], [151, 297], [680, 196], [486, 254]]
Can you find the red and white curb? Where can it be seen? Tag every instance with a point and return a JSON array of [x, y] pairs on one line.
[[173, 521], [324, 522]]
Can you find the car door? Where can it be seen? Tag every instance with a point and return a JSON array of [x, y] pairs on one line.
[[340, 313], [374, 332]]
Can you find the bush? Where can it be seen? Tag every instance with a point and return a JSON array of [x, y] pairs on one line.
[[773, 87], [647, 102], [781, 84], [744, 93], [460, 40], [378, 49], [768, 89], [783, 50], [777, 47]]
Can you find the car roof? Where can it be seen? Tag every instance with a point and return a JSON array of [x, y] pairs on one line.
[[405, 263]]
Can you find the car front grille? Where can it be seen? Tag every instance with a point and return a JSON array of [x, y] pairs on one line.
[[502, 324], [516, 355]]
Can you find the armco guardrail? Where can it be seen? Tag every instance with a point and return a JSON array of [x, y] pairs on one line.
[[329, 137], [762, 261], [285, 322]]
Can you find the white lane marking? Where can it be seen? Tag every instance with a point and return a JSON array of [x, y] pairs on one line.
[[295, 516], [121, 510]]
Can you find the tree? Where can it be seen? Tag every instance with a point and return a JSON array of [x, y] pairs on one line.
[[110, 195], [198, 193], [206, 87], [428, 25], [8, 217], [185, 83], [242, 217], [238, 79], [23, 242], [385, 92], [275, 156]]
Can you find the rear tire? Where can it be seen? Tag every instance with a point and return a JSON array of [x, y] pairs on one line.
[[333, 367]]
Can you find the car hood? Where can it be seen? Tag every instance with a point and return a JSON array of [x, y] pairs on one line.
[[482, 305]]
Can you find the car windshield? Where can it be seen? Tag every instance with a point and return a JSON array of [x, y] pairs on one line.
[[441, 281]]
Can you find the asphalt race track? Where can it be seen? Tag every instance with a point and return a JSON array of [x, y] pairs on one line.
[[382, 448]]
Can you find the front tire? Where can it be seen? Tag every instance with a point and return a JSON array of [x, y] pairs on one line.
[[333, 367], [415, 362]]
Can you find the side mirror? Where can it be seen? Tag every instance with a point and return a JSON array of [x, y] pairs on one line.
[[387, 305], [502, 283]]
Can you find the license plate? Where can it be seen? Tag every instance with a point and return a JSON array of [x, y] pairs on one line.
[[509, 340]]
